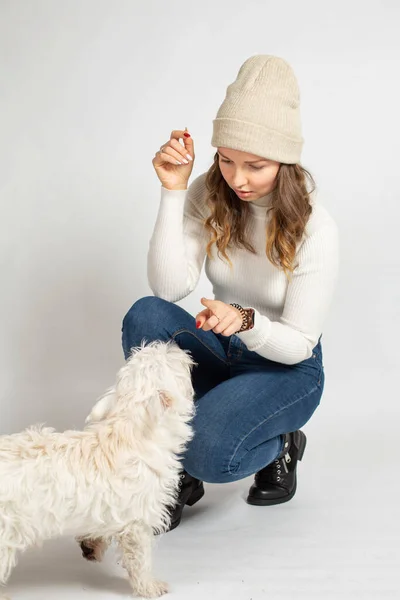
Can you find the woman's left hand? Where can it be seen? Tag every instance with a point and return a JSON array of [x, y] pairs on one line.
[[220, 317]]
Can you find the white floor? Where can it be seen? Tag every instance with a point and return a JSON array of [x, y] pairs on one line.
[[338, 537]]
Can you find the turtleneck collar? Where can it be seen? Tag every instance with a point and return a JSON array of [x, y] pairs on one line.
[[260, 205]]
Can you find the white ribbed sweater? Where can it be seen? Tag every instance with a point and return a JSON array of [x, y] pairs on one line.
[[289, 315]]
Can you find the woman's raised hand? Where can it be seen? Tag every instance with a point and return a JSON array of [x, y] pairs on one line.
[[173, 163]]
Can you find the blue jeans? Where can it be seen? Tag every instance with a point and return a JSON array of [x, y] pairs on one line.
[[244, 402]]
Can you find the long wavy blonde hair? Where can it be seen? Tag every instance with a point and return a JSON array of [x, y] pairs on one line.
[[289, 212]]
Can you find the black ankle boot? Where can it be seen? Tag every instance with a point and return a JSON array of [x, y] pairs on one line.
[[190, 492], [277, 482]]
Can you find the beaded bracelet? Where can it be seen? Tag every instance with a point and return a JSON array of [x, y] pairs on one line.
[[246, 320]]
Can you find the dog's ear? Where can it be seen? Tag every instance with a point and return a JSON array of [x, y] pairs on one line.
[[102, 407]]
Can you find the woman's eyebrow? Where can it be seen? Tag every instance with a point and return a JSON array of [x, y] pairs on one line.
[[249, 162]]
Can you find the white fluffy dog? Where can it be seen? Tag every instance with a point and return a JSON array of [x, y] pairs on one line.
[[115, 479]]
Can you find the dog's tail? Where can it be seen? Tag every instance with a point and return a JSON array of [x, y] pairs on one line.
[[103, 406]]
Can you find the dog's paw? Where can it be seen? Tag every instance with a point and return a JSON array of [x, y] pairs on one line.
[[152, 588]]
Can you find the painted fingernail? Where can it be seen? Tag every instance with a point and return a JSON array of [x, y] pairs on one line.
[[185, 161], [179, 163], [189, 157], [198, 324], [186, 134]]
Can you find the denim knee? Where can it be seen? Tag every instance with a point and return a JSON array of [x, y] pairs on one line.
[[225, 460], [140, 310], [211, 465], [209, 473], [143, 321]]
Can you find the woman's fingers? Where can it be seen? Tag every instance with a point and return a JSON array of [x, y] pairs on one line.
[[162, 156], [172, 163], [202, 317], [231, 330], [211, 322], [185, 136], [219, 317], [223, 324], [176, 151]]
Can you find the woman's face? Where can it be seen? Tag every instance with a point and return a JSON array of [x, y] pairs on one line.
[[249, 176]]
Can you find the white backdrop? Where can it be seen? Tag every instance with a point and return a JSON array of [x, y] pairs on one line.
[[89, 90]]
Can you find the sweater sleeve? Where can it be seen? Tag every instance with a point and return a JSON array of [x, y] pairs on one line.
[[292, 339], [178, 244]]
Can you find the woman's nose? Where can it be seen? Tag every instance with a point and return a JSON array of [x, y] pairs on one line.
[[239, 180]]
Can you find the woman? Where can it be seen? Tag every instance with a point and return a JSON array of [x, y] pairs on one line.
[[272, 256]]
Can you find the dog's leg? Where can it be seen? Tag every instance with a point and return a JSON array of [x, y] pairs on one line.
[[92, 549], [8, 560], [136, 546]]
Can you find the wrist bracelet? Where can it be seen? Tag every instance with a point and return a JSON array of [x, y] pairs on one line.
[[246, 321]]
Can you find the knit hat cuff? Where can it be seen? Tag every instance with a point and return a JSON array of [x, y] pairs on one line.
[[255, 139]]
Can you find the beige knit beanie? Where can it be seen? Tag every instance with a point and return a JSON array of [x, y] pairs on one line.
[[260, 113]]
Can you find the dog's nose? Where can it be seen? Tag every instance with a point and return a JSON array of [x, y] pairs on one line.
[[86, 551]]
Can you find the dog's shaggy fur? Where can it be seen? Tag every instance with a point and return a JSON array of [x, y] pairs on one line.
[[115, 479]]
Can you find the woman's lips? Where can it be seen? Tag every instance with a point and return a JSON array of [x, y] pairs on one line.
[[239, 193]]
